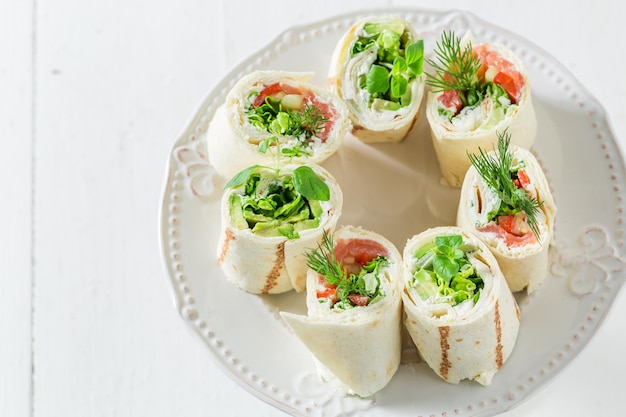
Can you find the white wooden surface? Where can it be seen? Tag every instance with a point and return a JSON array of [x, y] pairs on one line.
[[93, 94]]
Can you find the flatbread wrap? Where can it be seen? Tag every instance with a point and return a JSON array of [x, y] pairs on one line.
[[353, 324], [275, 114], [377, 70], [506, 200], [476, 90], [269, 218], [460, 312]]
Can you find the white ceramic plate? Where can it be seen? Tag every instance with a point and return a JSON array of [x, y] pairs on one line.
[[394, 190]]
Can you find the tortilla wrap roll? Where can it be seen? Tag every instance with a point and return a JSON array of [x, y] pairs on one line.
[[521, 253], [462, 122], [353, 329], [377, 70], [266, 107], [462, 331], [269, 220]]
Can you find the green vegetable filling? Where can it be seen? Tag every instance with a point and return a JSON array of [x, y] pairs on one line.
[[499, 171], [457, 69], [349, 290], [398, 62], [274, 205], [443, 272], [282, 119]]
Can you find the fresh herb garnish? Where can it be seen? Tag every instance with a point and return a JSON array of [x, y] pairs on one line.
[[496, 171], [309, 184], [241, 177], [456, 69], [347, 285], [323, 260], [443, 271]]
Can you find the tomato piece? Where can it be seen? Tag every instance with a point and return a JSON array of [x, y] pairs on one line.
[[358, 299], [450, 100], [511, 81], [329, 293], [522, 178], [514, 224], [507, 76], [506, 223]]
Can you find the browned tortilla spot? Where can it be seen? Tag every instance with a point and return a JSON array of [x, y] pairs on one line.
[[227, 239], [279, 262], [444, 367], [480, 200], [499, 359]]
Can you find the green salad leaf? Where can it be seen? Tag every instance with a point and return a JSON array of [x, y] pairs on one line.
[[443, 272], [277, 205]]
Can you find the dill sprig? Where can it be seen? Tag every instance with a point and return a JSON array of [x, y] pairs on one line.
[[324, 262], [456, 68], [351, 289], [496, 171], [309, 121]]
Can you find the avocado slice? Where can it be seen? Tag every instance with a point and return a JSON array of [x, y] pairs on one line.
[[316, 208], [236, 212], [306, 224], [376, 28]]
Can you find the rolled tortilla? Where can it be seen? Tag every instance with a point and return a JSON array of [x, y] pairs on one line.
[[469, 340], [356, 350], [476, 128], [523, 259], [262, 264], [373, 120], [233, 141]]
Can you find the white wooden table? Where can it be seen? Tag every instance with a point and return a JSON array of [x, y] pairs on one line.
[[93, 94]]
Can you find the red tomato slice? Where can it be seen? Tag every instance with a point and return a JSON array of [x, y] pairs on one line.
[[507, 76], [450, 100], [330, 293], [506, 223], [329, 290], [514, 224], [358, 299], [523, 179], [512, 83]]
